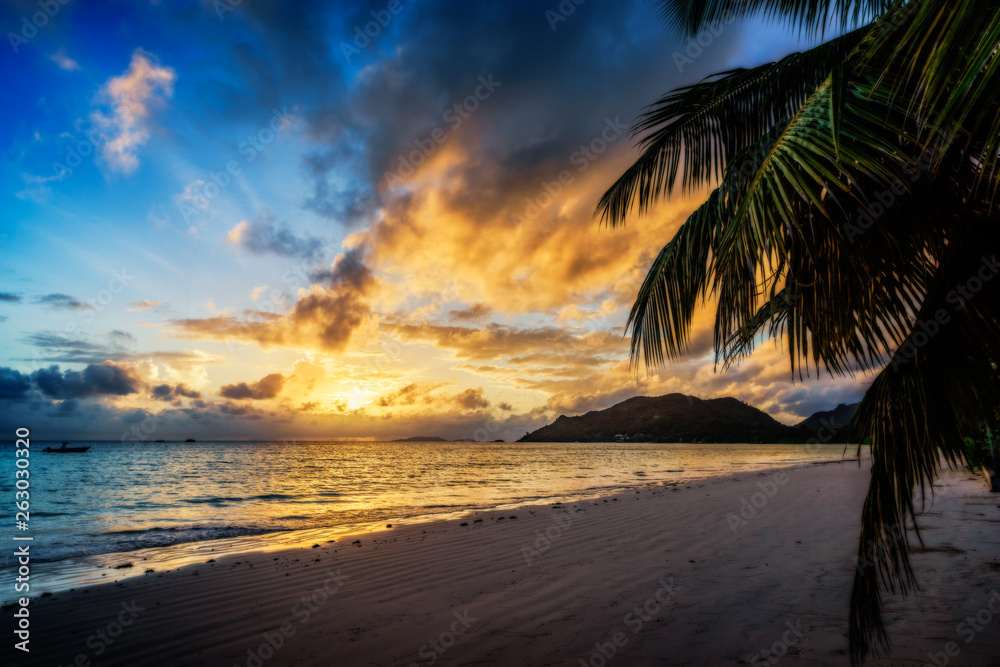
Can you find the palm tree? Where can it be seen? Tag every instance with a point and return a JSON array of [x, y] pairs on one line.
[[854, 218]]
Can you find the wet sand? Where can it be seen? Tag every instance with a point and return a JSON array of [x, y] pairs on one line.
[[706, 573]]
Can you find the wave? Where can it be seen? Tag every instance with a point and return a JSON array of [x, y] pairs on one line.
[[115, 541]]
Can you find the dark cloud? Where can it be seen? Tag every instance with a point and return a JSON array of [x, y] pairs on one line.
[[122, 338], [7, 297], [476, 311], [61, 301], [66, 408], [67, 350], [183, 390], [65, 345], [264, 236], [107, 379], [471, 399], [13, 384], [609, 60], [166, 392], [268, 386], [244, 411]]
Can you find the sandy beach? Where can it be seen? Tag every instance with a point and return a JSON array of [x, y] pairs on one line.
[[670, 575]]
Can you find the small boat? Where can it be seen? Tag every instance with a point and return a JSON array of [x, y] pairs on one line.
[[66, 450]]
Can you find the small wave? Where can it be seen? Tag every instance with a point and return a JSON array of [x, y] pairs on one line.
[[212, 500], [157, 536]]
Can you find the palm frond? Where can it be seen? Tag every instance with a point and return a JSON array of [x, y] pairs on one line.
[[693, 132], [661, 316], [936, 389], [949, 54], [772, 315], [809, 16], [800, 187], [853, 203]]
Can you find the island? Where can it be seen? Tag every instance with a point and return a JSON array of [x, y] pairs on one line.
[[681, 418]]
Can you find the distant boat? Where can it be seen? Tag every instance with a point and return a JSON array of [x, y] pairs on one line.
[[190, 440], [66, 450]]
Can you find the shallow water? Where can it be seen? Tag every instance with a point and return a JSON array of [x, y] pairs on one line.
[[120, 497]]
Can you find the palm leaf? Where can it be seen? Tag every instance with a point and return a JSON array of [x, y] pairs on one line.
[[810, 16], [694, 131], [937, 388]]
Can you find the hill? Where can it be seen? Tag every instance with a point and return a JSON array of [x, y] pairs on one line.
[[830, 425], [670, 418]]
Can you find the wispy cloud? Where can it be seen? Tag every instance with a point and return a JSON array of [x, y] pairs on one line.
[[130, 98], [145, 304], [61, 301], [63, 61], [36, 188]]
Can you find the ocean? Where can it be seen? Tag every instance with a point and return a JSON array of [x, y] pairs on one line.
[[173, 502]]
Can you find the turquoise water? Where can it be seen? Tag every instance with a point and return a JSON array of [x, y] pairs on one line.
[[120, 497]]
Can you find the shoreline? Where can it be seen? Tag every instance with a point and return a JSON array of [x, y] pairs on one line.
[[557, 585], [93, 569]]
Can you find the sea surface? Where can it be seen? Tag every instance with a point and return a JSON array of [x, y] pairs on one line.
[[178, 500]]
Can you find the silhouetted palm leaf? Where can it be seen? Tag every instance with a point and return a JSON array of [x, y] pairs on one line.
[[856, 187]]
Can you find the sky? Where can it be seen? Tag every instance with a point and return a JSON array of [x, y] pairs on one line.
[[231, 219]]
